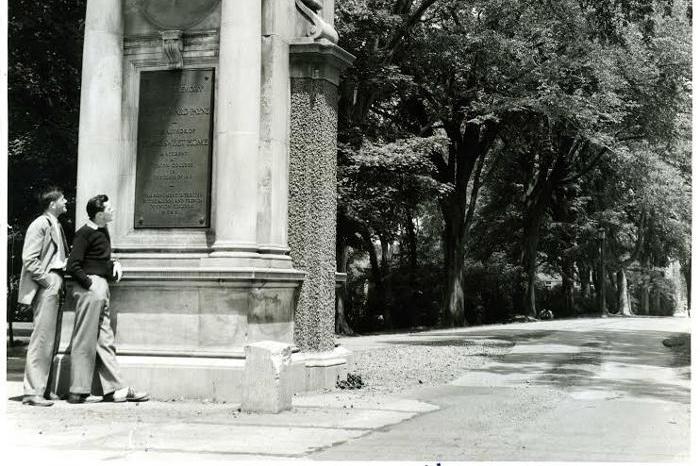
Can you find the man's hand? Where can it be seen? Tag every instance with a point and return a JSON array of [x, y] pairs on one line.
[[117, 271]]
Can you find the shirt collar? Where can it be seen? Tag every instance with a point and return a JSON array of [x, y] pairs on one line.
[[92, 224], [52, 217]]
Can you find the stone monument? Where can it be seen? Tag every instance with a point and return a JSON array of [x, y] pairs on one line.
[[211, 125]]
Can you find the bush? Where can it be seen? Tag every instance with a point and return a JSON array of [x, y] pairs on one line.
[[490, 291]]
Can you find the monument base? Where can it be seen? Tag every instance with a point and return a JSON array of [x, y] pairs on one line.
[[170, 378]]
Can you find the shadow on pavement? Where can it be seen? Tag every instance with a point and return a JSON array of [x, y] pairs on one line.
[[626, 362]]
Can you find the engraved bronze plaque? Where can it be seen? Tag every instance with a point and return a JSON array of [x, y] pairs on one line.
[[173, 161]]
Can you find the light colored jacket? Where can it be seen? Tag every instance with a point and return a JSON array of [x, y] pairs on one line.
[[40, 246]]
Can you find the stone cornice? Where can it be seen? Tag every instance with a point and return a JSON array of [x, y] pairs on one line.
[[211, 274], [319, 59]]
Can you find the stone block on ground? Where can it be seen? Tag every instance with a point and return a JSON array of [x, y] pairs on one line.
[[267, 386]]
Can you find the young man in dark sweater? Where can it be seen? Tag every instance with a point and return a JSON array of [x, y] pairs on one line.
[[92, 344]]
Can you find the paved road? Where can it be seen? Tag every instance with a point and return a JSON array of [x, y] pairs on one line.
[[578, 390]]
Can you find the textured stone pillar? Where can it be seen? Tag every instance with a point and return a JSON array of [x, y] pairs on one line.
[[315, 69], [237, 127], [100, 148]]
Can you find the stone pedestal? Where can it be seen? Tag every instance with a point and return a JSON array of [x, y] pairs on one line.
[[195, 294], [267, 383]]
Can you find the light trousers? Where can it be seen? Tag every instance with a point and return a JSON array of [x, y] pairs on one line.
[[43, 343], [92, 343]]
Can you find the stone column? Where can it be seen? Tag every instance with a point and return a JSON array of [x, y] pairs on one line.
[[237, 127], [315, 69], [273, 162], [100, 151]]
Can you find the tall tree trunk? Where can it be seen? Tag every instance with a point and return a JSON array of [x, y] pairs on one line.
[[644, 288], [342, 327], [656, 301], [412, 240], [537, 199], [601, 274], [685, 268], [567, 285], [386, 255], [530, 240], [376, 299], [531, 237], [644, 298], [612, 283], [584, 273], [386, 281], [454, 251], [623, 302], [562, 213], [469, 144]]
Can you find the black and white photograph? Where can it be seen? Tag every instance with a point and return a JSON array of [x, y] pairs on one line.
[[430, 232]]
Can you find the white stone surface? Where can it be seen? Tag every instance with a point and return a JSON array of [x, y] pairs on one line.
[[237, 129], [99, 135], [266, 380], [360, 401], [274, 125]]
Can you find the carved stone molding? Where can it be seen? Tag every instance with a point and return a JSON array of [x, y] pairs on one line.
[[172, 48], [318, 60], [176, 14], [318, 29]]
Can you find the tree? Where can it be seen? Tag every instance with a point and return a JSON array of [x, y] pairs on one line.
[[45, 48], [483, 71], [380, 187]]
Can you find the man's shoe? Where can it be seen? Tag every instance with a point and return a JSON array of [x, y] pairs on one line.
[[52, 396], [126, 394], [36, 400], [77, 398]]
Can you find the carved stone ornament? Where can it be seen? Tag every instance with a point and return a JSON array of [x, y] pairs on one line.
[[172, 48], [319, 29], [176, 14]]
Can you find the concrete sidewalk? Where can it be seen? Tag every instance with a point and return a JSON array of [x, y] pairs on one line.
[[181, 430], [563, 382]]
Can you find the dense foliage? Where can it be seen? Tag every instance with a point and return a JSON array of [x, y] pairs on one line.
[[559, 121], [45, 41]]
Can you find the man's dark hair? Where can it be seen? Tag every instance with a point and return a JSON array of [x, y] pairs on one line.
[[49, 195], [95, 205]]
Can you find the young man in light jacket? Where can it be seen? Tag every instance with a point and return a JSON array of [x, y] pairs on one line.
[[41, 286]]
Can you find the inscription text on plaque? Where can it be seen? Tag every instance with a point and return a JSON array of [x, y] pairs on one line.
[[173, 161]]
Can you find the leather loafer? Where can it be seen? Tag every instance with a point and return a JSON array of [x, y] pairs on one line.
[[130, 395], [36, 400], [77, 398]]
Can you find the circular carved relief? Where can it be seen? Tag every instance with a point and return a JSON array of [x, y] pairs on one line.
[[176, 14]]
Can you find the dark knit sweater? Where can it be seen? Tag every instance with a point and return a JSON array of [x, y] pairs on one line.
[[91, 255]]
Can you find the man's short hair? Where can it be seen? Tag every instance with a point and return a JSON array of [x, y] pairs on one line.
[[95, 205], [49, 195]]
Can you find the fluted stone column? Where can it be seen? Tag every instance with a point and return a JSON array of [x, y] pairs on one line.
[[100, 148], [237, 127], [315, 69], [273, 164]]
